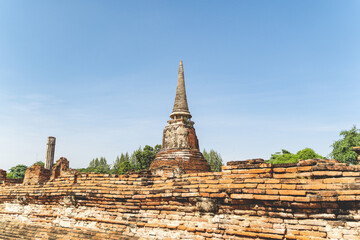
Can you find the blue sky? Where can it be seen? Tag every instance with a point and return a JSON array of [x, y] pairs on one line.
[[101, 76]]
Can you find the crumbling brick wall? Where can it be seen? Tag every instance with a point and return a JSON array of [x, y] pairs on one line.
[[36, 174], [314, 199], [61, 166], [2, 175]]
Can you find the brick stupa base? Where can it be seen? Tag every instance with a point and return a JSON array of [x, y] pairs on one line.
[[190, 161]]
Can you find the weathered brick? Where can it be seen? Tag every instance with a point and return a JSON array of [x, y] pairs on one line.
[[218, 206]]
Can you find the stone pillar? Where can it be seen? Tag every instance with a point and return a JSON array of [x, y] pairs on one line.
[[49, 162]]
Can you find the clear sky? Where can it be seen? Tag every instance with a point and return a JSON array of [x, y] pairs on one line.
[[101, 76]]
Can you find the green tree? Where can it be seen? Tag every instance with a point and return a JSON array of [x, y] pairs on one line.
[[157, 148], [17, 172], [124, 167], [342, 148], [133, 160], [287, 157], [118, 166], [10, 175], [97, 166], [41, 163], [214, 159], [283, 157], [145, 157], [139, 159], [308, 153]]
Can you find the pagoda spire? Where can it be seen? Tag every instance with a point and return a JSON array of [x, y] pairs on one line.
[[181, 108], [180, 152]]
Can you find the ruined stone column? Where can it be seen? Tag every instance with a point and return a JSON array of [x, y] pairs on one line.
[[49, 162]]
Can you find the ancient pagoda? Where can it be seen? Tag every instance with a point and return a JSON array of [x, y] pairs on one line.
[[180, 146]]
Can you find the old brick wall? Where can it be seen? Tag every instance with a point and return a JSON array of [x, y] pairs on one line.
[[2, 175], [314, 199], [36, 174], [13, 230], [8, 181]]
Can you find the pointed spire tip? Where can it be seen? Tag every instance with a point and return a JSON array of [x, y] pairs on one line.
[[181, 105]]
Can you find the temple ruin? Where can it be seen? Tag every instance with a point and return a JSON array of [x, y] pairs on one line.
[[314, 199], [180, 145]]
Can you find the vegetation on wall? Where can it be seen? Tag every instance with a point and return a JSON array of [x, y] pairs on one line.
[[287, 157], [342, 148]]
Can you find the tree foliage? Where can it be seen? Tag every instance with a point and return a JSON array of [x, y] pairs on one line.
[[124, 167], [139, 159], [214, 159], [41, 163], [287, 157], [121, 164], [342, 148], [97, 166], [17, 172], [146, 156]]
